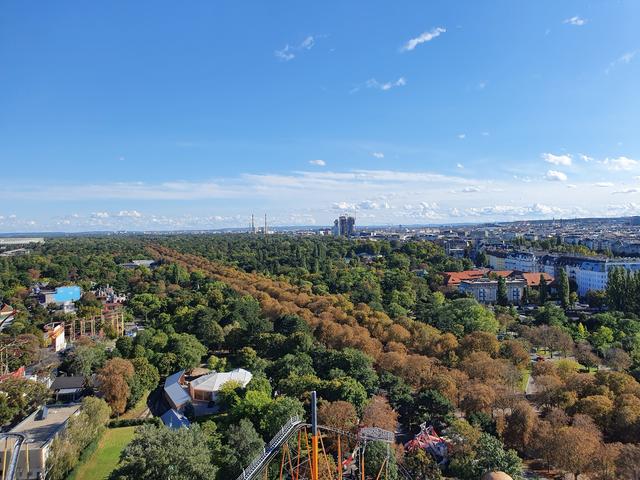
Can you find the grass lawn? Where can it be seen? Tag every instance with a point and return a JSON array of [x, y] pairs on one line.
[[105, 458]]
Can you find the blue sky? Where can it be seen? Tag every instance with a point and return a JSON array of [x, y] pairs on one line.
[[165, 115]]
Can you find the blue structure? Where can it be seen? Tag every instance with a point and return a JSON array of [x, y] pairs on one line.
[[67, 294], [175, 420]]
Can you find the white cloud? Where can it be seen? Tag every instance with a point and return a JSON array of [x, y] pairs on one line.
[[375, 84], [129, 213], [577, 21], [620, 164], [485, 134], [343, 206], [556, 176], [459, 165], [462, 136], [319, 163], [586, 158], [100, 215], [372, 205], [626, 191], [571, 185], [378, 154], [564, 160], [603, 184], [289, 52], [623, 59], [422, 38], [470, 190]]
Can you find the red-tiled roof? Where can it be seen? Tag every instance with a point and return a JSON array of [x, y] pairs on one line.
[[533, 279], [454, 278], [501, 273]]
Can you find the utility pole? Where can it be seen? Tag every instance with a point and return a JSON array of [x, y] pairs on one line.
[[314, 436], [253, 225], [265, 224]]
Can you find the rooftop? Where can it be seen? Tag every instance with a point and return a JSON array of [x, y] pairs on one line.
[[38, 430], [174, 419], [174, 389], [214, 381], [73, 382]]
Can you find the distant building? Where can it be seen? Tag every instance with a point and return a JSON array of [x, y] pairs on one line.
[[588, 272], [344, 226], [54, 334], [485, 290], [62, 297], [139, 263], [20, 240], [40, 429]]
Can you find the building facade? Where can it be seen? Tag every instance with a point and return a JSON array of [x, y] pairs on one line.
[[485, 290]]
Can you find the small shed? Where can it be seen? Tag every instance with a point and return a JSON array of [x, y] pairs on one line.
[[68, 389]]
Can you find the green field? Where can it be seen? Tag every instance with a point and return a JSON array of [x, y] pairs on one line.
[[104, 459]]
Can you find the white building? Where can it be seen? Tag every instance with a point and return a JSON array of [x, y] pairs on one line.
[[178, 391], [206, 387], [485, 290], [39, 429]]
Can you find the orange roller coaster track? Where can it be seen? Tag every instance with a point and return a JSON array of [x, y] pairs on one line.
[[302, 451]]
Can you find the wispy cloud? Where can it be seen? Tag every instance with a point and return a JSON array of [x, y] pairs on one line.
[[422, 38], [378, 154], [603, 184], [626, 191], [383, 86], [623, 59], [556, 176], [564, 160], [462, 136], [318, 163], [289, 52], [577, 21]]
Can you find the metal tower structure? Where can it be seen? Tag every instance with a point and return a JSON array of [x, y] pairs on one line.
[[303, 451]]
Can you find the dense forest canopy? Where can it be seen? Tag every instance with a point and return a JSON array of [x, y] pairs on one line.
[[366, 324]]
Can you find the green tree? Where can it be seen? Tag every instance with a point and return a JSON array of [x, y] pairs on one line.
[[502, 297], [160, 452], [465, 315], [380, 457], [188, 350], [19, 397], [544, 290], [421, 465], [247, 445], [145, 378], [278, 412], [563, 289]]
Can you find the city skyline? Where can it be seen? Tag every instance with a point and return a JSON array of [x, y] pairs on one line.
[[121, 116]]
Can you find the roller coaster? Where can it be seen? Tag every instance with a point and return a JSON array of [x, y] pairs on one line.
[[302, 451]]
